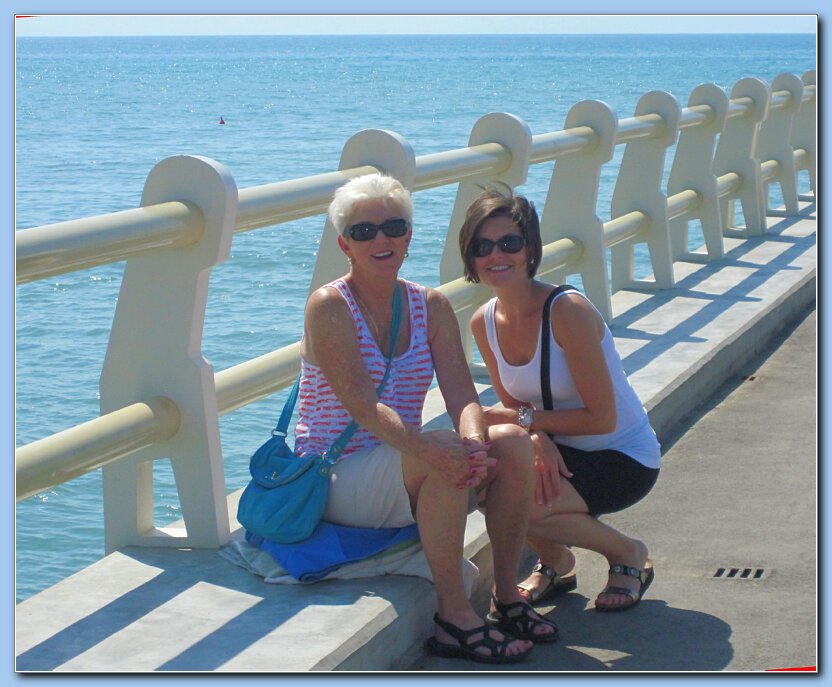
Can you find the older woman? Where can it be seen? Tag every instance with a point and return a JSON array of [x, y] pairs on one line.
[[393, 472], [595, 451]]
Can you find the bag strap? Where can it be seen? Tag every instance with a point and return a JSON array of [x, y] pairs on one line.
[[340, 443], [545, 350], [288, 408]]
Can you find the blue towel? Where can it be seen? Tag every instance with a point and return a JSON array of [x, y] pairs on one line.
[[331, 546]]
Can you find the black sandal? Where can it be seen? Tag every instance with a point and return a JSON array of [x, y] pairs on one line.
[[467, 648], [645, 578], [520, 620], [558, 584]]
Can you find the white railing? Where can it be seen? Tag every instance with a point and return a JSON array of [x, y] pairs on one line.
[[160, 398]]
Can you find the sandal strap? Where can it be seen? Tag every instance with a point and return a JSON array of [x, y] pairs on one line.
[[503, 609], [546, 571], [455, 631], [527, 619], [634, 595], [494, 646], [618, 569]]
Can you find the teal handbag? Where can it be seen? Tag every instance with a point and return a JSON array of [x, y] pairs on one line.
[[287, 494]]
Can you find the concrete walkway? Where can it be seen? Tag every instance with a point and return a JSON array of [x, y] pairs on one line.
[[737, 490]]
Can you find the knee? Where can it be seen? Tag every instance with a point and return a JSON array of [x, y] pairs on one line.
[[512, 443], [512, 447], [508, 432]]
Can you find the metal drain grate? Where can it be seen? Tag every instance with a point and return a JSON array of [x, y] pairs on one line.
[[739, 573]]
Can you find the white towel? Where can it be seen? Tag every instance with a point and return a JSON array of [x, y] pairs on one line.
[[409, 561]]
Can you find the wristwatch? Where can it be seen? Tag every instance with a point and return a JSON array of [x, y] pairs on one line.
[[524, 417]]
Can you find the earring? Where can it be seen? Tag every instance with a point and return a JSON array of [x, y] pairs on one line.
[[406, 254], [350, 260]]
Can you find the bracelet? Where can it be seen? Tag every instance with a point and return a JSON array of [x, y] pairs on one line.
[[525, 417], [472, 437]]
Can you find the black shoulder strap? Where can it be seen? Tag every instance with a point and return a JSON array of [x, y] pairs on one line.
[[545, 351]]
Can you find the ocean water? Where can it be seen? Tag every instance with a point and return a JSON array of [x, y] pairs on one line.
[[94, 115]]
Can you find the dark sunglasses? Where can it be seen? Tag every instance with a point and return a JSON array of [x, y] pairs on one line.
[[510, 243], [366, 231]]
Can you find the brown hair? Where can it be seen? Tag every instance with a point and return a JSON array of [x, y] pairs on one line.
[[492, 204]]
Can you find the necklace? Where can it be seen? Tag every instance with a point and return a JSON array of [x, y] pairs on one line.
[[372, 322]]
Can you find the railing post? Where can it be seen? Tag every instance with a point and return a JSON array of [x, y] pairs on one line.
[[737, 152], [693, 169], [155, 350], [639, 188], [385, 151], [571, 202], [514, 134], [804, 130], [775, 141]]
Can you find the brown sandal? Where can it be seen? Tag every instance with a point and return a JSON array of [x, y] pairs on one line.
[[645, 578], [558, 584]]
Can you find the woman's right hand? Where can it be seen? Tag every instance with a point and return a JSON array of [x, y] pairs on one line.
[[478, 459], [464, 463]]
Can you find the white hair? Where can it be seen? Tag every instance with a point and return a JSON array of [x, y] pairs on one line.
[[366, 188]]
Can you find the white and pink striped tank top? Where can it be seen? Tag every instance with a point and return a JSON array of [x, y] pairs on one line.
[[322, 418]]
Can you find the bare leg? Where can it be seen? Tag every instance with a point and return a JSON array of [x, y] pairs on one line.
[[508, 500], [568, 523], [441, 512], [507, 494], [557, 556], [553, 554]]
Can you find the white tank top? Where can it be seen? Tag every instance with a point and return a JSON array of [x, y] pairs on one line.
[[633, 434]]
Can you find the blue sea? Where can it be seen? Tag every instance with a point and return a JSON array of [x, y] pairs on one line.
[[94, 115]]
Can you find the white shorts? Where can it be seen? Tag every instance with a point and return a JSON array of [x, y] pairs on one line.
[[366, 489]]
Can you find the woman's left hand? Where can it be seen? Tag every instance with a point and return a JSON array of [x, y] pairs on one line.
[[549, 465]]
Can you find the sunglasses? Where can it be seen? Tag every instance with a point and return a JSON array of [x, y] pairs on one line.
[[510, 243], [366, 231]]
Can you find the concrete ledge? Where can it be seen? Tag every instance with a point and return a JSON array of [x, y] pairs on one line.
[[698, 382], [143, 609]]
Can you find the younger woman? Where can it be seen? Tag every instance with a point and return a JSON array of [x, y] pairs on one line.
[[595, 451]]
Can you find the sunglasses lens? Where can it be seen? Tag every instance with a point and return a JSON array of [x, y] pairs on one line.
[[512, 243], [363, 231], [366, 231], [394, 227], [482, 247]]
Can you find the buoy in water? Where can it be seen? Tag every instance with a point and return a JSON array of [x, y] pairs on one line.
[[222, 121]]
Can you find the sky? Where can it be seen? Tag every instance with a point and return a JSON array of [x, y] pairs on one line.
[[276, 24]]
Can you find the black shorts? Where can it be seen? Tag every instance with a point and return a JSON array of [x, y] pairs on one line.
[[608, 481]]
